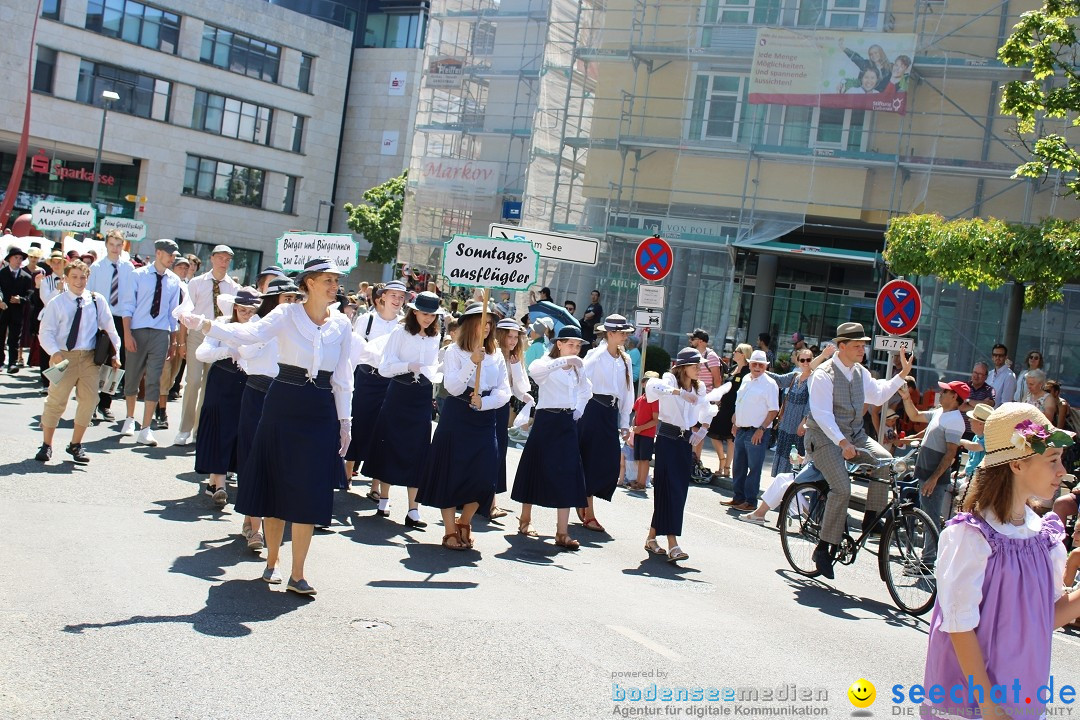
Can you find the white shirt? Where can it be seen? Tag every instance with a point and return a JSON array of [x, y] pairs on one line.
[[875, 392], [402, 348], [1004, 383], [755, 400], [201, 290], [58, 315], [519, 379], [365, 349], [608, 376], [560, 386], [961, 567], [301, 343], [674, 408], [211, 350], [100, 280], [260, 358], [50, 288], [459, 374]]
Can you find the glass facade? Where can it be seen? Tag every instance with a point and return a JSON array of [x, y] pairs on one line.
[[48, 177], [231, 117], [135, 23], [141, 95], [240, 53], [224, 181]]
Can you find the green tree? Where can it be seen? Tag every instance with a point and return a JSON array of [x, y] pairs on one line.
[[1045, 41], [976, 252], [379, 221]]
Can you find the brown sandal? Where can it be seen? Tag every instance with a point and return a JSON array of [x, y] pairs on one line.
[[593, 524], [459, 546], [565, 541], [527, 530], [465, 534]]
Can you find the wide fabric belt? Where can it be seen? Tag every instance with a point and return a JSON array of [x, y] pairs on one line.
[[227, 365], [556, 410], [673, 431], [293, 375], [369, 369], [259, 382]]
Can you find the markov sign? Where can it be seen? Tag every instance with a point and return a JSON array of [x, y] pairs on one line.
[[64, 216], [489, 262], [295, 249], [457, 183]]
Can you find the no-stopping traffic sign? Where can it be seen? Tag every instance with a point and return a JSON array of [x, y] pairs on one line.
[[899, 307], [654, 259]]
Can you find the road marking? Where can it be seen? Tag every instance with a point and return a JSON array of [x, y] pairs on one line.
[[723, 525], [645, 642]]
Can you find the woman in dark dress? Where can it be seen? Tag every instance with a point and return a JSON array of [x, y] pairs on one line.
[[721, 426]]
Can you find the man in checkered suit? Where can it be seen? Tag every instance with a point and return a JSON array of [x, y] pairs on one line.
[[840, 389]]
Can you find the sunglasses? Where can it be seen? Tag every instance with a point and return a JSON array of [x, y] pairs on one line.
[[806, 360], [998, 354]]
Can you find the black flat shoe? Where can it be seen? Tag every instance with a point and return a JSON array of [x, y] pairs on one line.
[[382, 513], [44, 454], [823, 562], [414, 523], [77, 454]]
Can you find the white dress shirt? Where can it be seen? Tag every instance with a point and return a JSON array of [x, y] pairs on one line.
[[560, 386], [608, 376], [459, 374], [58, 315], [301, 343], [211, 350], [100, 281], [755, 400], [1004, 383], [519, 379], [961, 567], [201, 290], [51, 287], [366, 347], [260, 358], [875, 392], [403, 348], [674, 408]]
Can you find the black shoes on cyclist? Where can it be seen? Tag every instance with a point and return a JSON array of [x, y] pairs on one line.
[[823, 560]]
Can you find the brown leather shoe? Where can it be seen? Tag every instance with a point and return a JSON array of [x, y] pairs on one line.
[[745, 507], [728, 503]]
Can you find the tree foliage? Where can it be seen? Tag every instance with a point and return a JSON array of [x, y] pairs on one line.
[[1045, 41], [972, 252], [379, 221]]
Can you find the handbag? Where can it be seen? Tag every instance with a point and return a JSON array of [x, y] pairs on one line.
[[104, 352]]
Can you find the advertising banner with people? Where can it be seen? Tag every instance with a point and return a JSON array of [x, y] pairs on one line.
[[851, 70]]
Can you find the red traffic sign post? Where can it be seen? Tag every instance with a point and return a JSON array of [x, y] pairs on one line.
[[654, 259], [899, 307]]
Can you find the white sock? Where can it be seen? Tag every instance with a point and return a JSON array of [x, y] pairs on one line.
[[414, 514], [384, 504]]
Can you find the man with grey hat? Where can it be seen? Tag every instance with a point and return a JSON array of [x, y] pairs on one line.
[[150, 329], [839, 389], [204, 290]]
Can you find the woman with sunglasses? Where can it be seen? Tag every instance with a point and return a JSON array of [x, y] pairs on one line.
[[1034, 362], [796, 405]]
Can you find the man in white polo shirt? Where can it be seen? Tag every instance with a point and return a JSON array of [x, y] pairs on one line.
[[756, 406], [204, 291]]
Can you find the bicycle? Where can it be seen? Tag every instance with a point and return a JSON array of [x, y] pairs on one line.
[[907, 530]]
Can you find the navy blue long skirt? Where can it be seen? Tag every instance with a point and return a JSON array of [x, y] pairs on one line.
[[549, 473], [369, 391], [502, 422], [671, 480], [215, 445], [251, 407], [598, 443], [294, 464], [401, 437], [463, 463]]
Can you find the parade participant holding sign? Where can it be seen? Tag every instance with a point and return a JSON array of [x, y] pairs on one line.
[[401, 433], [463, 463], [295, 460], [510, 338], [369, 387], [683, 406], [550, 473], [605, 417]]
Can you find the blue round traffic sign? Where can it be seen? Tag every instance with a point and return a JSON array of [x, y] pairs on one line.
[[654, 259], [899, 307]]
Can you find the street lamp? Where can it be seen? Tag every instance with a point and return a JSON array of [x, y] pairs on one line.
[[318, 215], [108, 97]]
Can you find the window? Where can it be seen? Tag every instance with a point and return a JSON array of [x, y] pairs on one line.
[[223, 181], [832, 128], [231, 117], [298, 133], [851, 14], [141, 95], [720, 110], [393, 31], [44, 70], [304, 81], [288, 201], [240, 54], [135, 23], [742, 12], [483, 38], [50, 9]]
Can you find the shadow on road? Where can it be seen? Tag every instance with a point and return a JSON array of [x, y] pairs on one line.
[[532, 551], [230, 608], [432, 560], [655, 566], [213, 556], [832, 601], [190, 509]]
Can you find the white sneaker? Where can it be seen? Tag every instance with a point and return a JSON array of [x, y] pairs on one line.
[[146, 437], [128, 428], [182, 438]]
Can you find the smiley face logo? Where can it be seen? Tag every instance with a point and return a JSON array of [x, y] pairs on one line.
[[862, 693]]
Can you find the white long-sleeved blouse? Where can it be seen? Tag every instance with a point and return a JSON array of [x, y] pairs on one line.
[[459, 374], [674, 408], [366, 346], [402, 348], [519, 379], [560, 385], [608, 375], [211, 350]]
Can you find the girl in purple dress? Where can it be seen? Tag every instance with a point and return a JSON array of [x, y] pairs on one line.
[[999, 569]]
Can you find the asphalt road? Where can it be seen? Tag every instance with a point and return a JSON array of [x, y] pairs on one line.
[[126, 594]]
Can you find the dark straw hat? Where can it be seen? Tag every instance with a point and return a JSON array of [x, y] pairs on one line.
[[427, 302], [247, 297], [569, 332], [687, 356], [281, 286]]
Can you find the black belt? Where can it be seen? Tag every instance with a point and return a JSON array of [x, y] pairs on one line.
[[557, 410], [293, 375], [467, 395], [673, 431], [751, 429], [227, 365], [259, 382], [410, 379], [609, 400], [369, 369]]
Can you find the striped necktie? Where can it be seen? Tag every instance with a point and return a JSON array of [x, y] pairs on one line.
[[114, 288], [217, 291]]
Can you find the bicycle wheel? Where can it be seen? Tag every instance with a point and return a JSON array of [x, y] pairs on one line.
[[800, 523], [908, 576]]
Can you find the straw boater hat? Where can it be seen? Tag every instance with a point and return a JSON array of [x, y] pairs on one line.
[[318, 265], [617, 323], [1015, 431], [569, 332], [475, 308], [980, 412], [281, 286], [245, 297], [510, 324], [687, 356], [427, 302]]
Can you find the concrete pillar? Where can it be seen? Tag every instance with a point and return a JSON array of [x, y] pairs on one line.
[[764, 291]]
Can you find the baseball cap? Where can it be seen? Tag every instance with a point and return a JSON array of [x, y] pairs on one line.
[[698, 334], [797, 337], [962, 390]]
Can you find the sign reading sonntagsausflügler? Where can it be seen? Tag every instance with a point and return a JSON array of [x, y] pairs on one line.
[[498, 263], [296, 249], [63, 216]]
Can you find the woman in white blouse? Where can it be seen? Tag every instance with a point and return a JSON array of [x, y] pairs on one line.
[[370, 331], [509, 336], [463, 463], [549, 472], [295, 461], [683, 406], [401, 436]]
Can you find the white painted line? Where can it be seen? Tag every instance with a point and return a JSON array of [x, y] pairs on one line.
[[645, 642], [726, 526]]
